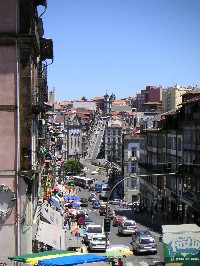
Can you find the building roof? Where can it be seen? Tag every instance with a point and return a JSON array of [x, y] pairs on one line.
[[121, 108]]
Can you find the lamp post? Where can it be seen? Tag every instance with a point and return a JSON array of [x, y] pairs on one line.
[[106, 233]]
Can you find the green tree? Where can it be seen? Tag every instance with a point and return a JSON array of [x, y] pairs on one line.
[[72, 166]]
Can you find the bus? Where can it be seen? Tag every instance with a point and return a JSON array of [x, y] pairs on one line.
[[82, 181]]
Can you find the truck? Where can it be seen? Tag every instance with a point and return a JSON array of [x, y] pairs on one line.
[[105, 193], [98, 187], [181, 244]]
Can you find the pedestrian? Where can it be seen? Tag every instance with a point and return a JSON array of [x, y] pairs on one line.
[[120, 262], [69, 222], [112, 262]]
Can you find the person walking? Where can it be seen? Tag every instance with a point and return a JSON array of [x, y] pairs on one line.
[[120, 262], [69, 223]]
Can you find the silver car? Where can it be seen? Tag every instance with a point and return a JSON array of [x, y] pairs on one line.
[[127, 227], [145, 245]]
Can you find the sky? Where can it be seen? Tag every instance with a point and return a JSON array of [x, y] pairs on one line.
[[121, 46]]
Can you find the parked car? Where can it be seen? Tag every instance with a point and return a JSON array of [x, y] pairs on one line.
[[118, 219], [98, 242], [141, 233], [96, 205], [127, 227], [90, 231], [145, 245], [84, 202], [102, 209], [115, 201]]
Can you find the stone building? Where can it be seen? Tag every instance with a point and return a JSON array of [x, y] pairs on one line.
[[23, 90], [170, 163]]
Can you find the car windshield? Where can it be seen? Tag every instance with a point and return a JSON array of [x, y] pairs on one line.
[[147, 241], [144, 233], [99, 239], [94, 230]]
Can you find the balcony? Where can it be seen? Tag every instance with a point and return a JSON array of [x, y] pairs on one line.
[[42, 77], [38, 102], [46, 49], [42, 131]]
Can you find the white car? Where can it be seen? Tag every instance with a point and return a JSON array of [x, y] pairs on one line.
[[127, 227], [94, 173], [115, 201], [91, 229], [98, 242]]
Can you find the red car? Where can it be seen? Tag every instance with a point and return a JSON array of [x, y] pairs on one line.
[[102, 210], [118, 219]]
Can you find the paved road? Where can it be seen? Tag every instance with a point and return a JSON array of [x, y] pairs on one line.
[[141, 219]]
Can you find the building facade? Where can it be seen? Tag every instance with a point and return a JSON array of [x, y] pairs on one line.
[[23, 89], [170, 162]]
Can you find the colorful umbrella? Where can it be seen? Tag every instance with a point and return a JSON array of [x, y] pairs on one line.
[[76, 204], [78, 230], [73, 211], [114, 254], [72, 260], [122, 248], [34, 257], [76, 198], [55, 187]]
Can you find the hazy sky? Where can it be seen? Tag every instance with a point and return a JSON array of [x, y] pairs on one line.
[[121, 46]]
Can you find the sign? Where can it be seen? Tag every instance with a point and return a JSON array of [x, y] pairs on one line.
[[51, 216], [182, 248], [51, 235], [80, 219]]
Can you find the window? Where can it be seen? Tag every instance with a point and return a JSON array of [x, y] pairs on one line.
[[133, 151]]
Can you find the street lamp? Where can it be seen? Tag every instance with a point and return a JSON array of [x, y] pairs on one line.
[[106, 217]]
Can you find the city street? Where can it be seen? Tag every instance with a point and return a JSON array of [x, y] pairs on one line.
[[143, 260]]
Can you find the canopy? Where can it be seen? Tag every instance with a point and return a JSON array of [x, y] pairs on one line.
[[72, 260], [34, 257]]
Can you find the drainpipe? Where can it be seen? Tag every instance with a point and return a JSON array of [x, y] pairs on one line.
[[18, 237]]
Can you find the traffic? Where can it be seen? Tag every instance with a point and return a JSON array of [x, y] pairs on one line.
[[123, 229]]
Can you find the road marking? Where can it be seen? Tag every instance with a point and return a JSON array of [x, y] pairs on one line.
[[129, 264], [143, 263]]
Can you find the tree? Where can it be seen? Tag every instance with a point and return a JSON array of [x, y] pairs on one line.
[[72, 166]]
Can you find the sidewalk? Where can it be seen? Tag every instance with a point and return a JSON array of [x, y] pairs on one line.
[[73, 241]]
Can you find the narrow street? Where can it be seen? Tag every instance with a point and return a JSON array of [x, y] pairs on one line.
[[143, 221]]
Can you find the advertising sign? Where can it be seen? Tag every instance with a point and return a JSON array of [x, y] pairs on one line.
[[183, 248], [51, 235], [52, 216]]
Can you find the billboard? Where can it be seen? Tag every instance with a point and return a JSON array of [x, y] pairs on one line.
[[182, 248]]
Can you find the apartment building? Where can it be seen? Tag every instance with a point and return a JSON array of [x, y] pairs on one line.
[[170, 162], [23, 89], [172, 97]]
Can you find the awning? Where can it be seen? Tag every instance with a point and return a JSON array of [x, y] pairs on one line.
[[34, 257], [72, 260]]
